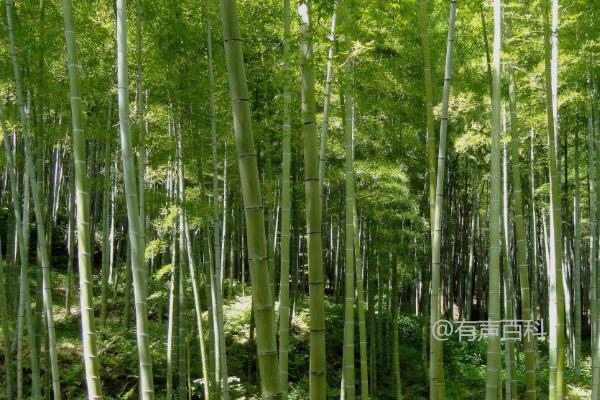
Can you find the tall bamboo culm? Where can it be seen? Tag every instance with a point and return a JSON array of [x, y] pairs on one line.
[[216, 272], [523, 266], [348, 351], [286, 205], [24, 295], [430, 137], [255, 223], [591, 169], [327, 99], [138, 269], [493, 342], [193, 273], [577, 261], [317, 362], [140, 120], [6, 337], [82, 200], [39, 213], [556, 298], [360, 295], [437, 387]]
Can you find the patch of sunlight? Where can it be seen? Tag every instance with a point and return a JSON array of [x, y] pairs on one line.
[[242, 305], [300, 322], [578, 393], [70, 347], [237, 319], [60, 313]]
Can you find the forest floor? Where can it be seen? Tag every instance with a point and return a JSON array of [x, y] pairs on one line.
[[464, 361]]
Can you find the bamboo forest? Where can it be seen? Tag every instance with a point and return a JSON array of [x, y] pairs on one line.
[[300, 200]]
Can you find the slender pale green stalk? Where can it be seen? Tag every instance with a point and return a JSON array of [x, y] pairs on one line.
[[224, 374], [596, 263], [70, 240], [493, 359], [472, 229], [431, 162], [213, 135], [533, 230], [181, 310], [349, 380], [21, 309], [317, 362], [395, 344], [591, 167], [39, 216], [213, 315], [557, 306], [362, 326], [220, 352], [187, 249], [188, 366], [381, 281], [20, 328], [343, 379], [82, 199], [112, 229], [133, 214], [510, 369], [173, 314], [254, 211], [180, 265], [270, 205], [106, 221], [371, 274], [286, 211], [577, 255], [224, 224], [437, 387], [140, 120], [327, 99], [562, 289], [197, 307], [521, 240], [25, 301], [430, 131], [208, 273], [547, 262], [170, 327], [127, 283], [8, 365]]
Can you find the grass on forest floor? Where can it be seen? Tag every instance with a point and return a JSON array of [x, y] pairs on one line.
[[464, 361]]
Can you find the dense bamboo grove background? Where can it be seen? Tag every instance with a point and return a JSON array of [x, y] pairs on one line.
[[282, 200]]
